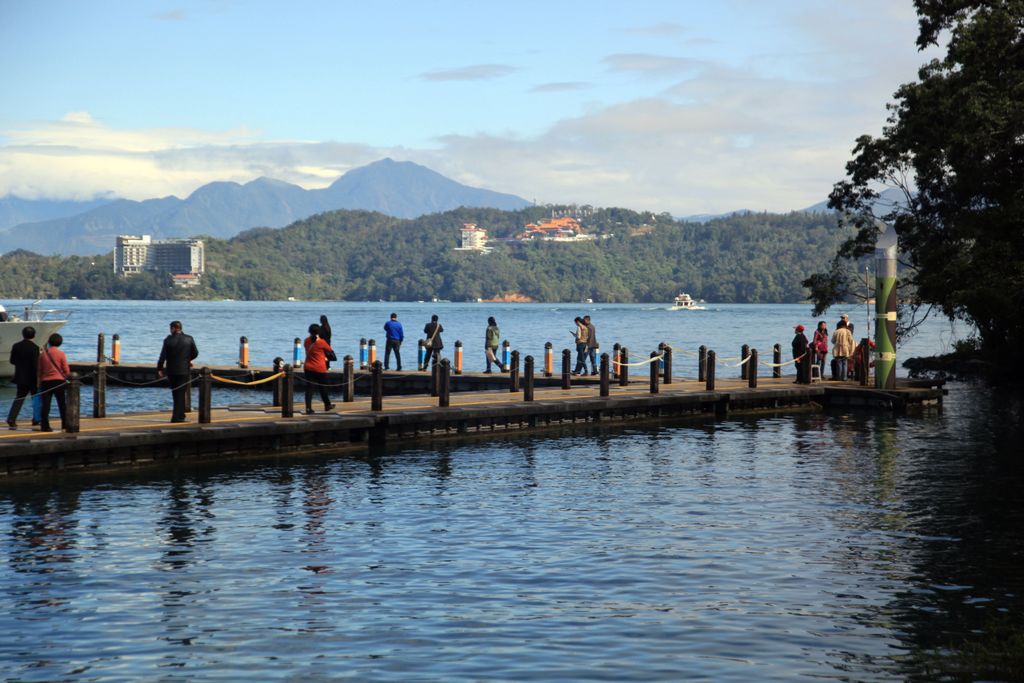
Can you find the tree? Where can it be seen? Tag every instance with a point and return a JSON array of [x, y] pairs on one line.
[[953, 146]]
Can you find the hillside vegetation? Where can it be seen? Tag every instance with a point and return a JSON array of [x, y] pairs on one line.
[[358, 255]]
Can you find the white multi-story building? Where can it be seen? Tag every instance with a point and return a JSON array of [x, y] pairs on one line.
[[473, 238], [135, 254]]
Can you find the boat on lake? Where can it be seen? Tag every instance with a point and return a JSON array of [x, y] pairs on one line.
[[684, 302], [46, 322]]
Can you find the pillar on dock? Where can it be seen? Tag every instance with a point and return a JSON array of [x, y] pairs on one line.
[[73, 404], [777, 360], [528, 378], [243, 352], [752, 370], [297, 353], [371, 352], [101, 354], [348, 369], [444, 389], [616, 348], [288, 392], [377, 387], [458, 357], [364, 354], [421, 355], [205, 395], [885, 309], [667, 363], [115, 350], [655, 372], [709, 371], [435, 376], [99, 391], [506, 353], [188, 393], [513, 375], [623, 367], [566, 369], [605, 376], [744, 355], [702, 363], [278, 386], [865, 361], [549, 359]]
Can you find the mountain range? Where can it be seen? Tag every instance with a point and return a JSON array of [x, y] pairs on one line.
[[223, 209]]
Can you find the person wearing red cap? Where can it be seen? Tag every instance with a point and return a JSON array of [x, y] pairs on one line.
[[800, 353]]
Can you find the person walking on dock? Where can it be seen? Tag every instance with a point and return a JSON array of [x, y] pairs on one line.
[[176, 356], [800, 353], [318, 352], [591, 344], [394, 336], [25, 359], [492, 339], [842, 349], [820, 346], [580, 335], [432, 331], [53, 376]]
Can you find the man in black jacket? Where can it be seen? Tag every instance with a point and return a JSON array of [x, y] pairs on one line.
[[177, 354], [25, 359]]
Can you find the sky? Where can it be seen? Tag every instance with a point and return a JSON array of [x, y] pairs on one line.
[[679, 106]]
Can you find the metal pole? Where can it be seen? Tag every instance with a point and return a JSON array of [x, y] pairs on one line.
[[205, 391], [528, 378], [654, 372], [99, 391], [752, 370]]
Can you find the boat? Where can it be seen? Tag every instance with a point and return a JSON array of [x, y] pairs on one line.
[[683, 302], [46, 322]]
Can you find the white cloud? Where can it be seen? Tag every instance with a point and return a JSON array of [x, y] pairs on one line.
[[473, 72]]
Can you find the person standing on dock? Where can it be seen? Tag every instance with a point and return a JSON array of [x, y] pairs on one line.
[[53, 376], [800, 352], [394, 336], [432, 331], [25, 359], [318, 352], [581, 346], [176, 356], [325, 334], [492, 340], [591, 344], [842, 349], [820, 346]]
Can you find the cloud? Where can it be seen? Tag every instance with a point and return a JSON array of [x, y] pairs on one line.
[[567, 86], [649, 64], [171, 15], [473, 72], [667, 29]]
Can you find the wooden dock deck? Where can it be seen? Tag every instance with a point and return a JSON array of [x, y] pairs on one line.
[[132, 439]]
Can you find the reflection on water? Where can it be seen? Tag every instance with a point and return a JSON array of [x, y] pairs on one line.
[[842, 547]]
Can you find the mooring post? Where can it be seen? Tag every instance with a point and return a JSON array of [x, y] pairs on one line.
[[444, 371], [709, 371], [421, 355], [623, 368], [702, 363], [205, 393], [278, 366], [348, 370], [655, 372], [435, 375], [288, 392], [506, 353], [371, 351], [865, 360], [528, 378], [777, 361], [188, 392], [744, 355], [73, 404], [297, 353], [513, 375], [115, 350], [605, 377], [458, 357], [661, 356], [364, 353], [101, 356], [549, 359], [616, 359], [243, 352], [566, 369], [752, 372], [99, 391], [377, 387], [667, 379]]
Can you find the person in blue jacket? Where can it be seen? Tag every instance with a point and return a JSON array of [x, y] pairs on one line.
[[395, 335]]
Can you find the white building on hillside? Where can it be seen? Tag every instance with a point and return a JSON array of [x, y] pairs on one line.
[[473, 238], [135, 254]]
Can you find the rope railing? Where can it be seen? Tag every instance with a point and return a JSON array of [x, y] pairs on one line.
[[645, 361], [225, 380]]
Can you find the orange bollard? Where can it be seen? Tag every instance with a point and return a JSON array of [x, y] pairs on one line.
[[458, 357], [549, 360], [243, 352], [372, 352], [115, 350]]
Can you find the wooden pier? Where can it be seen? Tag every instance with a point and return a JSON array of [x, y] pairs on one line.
[[485, 403]]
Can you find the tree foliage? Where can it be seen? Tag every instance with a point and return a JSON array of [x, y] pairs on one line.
[[954, 146]]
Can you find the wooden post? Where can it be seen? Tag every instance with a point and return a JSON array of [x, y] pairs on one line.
[[752, 371], [549, 359], [655, 372], [73, 404], [777, 360], [667, 379], [288, 392], [205, 392], [458, 357], [744, 355], [702, 363], [279, 382], [623, 368], [188, 392], [243, 352], [99, 391], [513, 375], [115, 350], [435, 378], [444, 391], [616, 347], [101, 353], [709, 372], [605, 379], [377, 387], [348, 369], [566, 369], [528, 378]]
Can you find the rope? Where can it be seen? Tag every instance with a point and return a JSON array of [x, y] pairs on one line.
[[779, 365], [247, 384], [645, 361]]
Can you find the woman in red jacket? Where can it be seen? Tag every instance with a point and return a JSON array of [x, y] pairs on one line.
[[315, 367], [820, 345], [53, 376]]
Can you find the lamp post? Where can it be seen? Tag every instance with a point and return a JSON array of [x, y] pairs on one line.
[[885, 309]]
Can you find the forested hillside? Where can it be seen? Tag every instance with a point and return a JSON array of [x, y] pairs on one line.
[[359, 255]]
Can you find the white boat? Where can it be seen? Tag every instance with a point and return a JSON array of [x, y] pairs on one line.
[[683, 302], [45, 321]]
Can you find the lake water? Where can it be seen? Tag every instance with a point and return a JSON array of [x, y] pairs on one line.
[[849, 546]]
